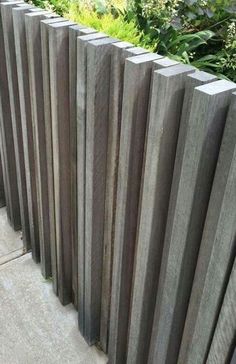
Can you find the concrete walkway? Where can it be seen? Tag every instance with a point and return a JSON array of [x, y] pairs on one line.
[[34, 327]]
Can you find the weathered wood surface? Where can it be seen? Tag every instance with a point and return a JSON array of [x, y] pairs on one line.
[[233, 360], [165, 113], [59, 80], [186, 217], [2, 171], [10, 52], [97, 119], [137, 79], [77, 176], [48, 141], [81, 95], [223, 342], [216, 252], [18, 14], [115, 110], [41, 239]]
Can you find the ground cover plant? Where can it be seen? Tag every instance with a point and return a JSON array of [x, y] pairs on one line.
[[197, 32]]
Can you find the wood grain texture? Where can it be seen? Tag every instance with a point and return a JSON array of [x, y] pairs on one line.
[[7, 147], [186, 217], [10, 52], [41, 210], [2, 179], [59, 81], [81, 94], [137, 79], [97, 118], [216, 253], [223, 342], [48, 142], [167, 97], [18, 14], [115, 110]]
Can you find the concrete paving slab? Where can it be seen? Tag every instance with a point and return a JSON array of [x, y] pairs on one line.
[[11, 245], [35, 327]]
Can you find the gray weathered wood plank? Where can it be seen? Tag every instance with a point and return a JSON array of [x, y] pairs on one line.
[[216, 252], [115, 107], [167, 97], [97, 119], [223, 342], [186, 217], [2, 189], [7, 144], [10, 52], [135, 104], [41, 210], [81, 94], [59, 81], [48, 141]]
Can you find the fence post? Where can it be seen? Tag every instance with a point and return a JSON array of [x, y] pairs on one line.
[[162, 134], [186, 217], [59, 80], [216, 252], [82, 42], [11, 67], [135, 104]]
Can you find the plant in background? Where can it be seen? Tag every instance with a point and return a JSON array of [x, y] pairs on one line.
[[198, 32]]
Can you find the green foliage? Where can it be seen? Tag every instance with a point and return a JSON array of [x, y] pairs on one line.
[[100, 19], [200, 32], [197, 32]]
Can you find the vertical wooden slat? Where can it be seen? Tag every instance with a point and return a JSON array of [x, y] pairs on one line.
[[44, 24], [165, 113], [186, 217], [137, 79], [41, 242], [11, 67], [59, 81], [82, 42], [97, 117], [223, 342], [216, 253]]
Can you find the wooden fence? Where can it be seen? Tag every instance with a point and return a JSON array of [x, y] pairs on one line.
[[119, 165]]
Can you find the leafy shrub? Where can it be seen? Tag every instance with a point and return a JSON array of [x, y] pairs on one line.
[[197, 32], [104, 21]]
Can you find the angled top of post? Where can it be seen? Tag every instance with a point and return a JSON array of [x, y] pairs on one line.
[[102, 41], [216, 87], [54, 20], [202, 76], [165, 62], [135, 51], [64, 24], [93, 36], [146, 57], [122, 45], [78, 27], [175, 70], [37, 13]]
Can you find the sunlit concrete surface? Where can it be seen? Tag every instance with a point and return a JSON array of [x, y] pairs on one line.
[[34, 327], [11, 245]]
